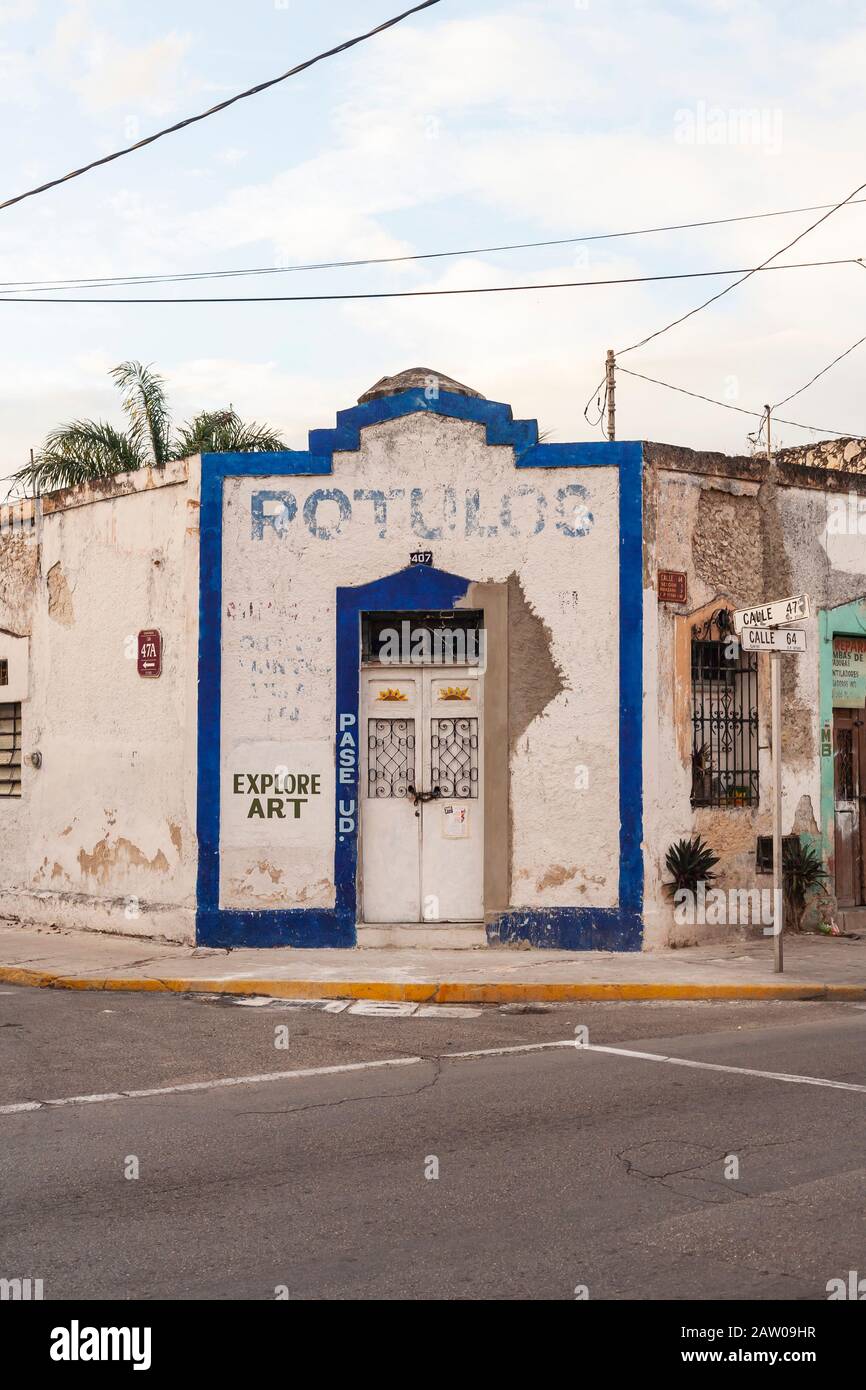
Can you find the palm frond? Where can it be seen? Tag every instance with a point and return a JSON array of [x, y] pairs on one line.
[[78, 453], [146, 405], [224, 432], [88, 449]]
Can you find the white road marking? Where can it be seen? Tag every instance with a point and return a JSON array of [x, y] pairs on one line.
[[447, 1011], [263, 1077], [383, 1008], [255, 1080], [718, 1066], [369, 1008], [504, 1051]]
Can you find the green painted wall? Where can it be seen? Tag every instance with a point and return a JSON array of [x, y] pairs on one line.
[[848, 620]]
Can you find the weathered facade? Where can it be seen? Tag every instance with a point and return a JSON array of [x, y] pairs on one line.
[[743, 531], [103, 834], [417, 683]]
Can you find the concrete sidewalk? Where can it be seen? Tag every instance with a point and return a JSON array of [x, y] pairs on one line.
[[815, 967]]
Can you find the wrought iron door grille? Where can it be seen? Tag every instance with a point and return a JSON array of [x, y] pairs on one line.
[[10, 750], [724, 723], [390, 757], [454, 757], [845, 764]]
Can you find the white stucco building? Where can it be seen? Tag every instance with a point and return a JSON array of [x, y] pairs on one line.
[[418, 678]]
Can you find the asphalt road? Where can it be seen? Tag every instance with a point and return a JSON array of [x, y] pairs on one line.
[[558, 1167]]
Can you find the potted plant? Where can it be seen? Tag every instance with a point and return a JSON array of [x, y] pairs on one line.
[[702, 768]]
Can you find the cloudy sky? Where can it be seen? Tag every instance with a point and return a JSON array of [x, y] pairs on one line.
[[473, 124]]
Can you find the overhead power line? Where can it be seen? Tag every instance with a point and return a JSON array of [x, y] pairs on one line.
[[220, 106], [822, 372], [741, 410], [409, 294], [746, 276], [155, 277]]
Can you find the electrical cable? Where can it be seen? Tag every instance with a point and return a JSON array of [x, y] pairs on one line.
[[98, 281], [748, 274], [220, 106], [726, 405], [411, 294]]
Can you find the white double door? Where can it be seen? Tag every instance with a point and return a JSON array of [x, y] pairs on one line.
[[422, 795]]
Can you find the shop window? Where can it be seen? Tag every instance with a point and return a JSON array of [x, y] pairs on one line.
[[10, 750], [724, 716]]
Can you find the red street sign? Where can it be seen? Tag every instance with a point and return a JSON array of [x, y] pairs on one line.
[[672, 586], [150, 652]]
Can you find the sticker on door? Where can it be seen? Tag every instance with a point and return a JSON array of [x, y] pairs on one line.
[[455, 822]]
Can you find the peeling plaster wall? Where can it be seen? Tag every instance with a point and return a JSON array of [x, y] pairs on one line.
[[103, 836], [741, 533], [19, 570], [278, 654]]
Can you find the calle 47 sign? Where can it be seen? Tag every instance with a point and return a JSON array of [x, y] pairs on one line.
[[775, 613]]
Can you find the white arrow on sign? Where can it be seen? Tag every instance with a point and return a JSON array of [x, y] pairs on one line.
[[773, 614], [773, 639]]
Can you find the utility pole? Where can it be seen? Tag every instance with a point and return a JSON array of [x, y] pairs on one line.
[[776, 737], [610, 381], [778, 880]]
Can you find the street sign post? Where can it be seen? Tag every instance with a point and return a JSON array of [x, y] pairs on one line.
[[773, 639], [775, 613], [776, 734], [762, 629]]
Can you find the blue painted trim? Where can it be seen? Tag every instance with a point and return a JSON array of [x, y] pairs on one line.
[[569, 928], [631, 875], [298, 926], [501, 428], [595, 453], [418, 587]]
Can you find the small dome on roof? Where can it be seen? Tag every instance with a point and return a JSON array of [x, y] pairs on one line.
[[413, 377]]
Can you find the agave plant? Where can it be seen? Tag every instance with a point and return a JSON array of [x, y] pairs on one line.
[[802, 870], [689, 862], [88, 449]]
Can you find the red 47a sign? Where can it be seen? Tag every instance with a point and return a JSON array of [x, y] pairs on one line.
[[150, 652]]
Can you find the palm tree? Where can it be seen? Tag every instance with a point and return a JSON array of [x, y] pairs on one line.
[[88, 449]]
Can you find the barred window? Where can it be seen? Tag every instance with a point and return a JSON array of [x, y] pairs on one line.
[[724, 717], [10, 750]]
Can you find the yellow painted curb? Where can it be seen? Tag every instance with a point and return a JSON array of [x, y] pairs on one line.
[[442, 992]]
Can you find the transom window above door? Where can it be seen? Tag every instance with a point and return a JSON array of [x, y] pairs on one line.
[[443, 638]]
